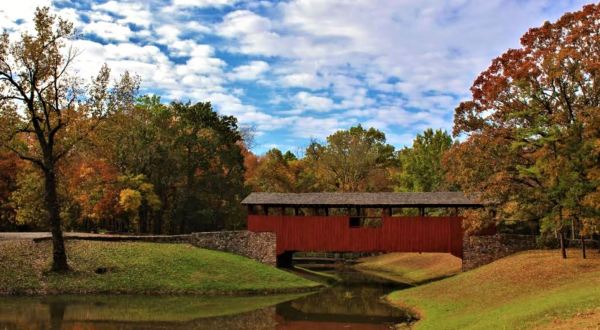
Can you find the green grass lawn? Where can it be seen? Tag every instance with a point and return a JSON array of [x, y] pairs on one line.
[[527, 290], [138, 268], [411, 268]]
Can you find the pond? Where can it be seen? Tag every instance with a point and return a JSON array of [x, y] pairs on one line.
[[353, 303]]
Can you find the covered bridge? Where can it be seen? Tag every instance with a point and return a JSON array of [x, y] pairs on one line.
[[360, 222]]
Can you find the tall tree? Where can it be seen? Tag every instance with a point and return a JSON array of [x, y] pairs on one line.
[[141, 140], [49, 109], [421, 167], [533, 118], [212, 164], [356, 159], [282, 172]]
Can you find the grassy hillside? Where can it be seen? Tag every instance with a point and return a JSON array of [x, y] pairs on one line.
[[529, 289], [138, 268], [411, 268]]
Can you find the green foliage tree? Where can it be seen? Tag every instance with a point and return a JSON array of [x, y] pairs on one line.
[[141, 140], [353, 160], [421, 167], [283, 172], [28, 200], [213, 165], [190, 155]]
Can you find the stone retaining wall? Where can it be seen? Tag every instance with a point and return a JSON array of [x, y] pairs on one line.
[[257, 246], [481, 250]]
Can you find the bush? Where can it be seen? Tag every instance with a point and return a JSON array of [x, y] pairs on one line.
[[546, 241]]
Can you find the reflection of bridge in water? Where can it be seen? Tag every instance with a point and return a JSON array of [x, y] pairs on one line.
[[345, 306], [358, 222]]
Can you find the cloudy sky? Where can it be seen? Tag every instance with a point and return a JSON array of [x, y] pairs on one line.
[[301, 69]]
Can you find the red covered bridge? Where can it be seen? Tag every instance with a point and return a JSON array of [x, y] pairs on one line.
[[359, 222]]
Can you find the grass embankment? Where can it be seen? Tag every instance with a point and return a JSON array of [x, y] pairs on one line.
[[527, 290], [138, 268], [411, 268]]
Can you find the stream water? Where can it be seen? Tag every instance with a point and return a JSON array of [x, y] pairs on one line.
[[353, 303]]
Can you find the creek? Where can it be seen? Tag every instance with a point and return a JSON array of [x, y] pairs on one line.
[[354, 302]]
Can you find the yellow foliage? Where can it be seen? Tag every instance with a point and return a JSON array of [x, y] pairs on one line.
[[130, 200]]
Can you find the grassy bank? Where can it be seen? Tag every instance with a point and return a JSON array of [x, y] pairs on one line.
[[138, 268], [411, 268], [526, 290]]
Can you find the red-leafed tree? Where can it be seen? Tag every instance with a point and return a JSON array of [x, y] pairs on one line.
[[532, 127]]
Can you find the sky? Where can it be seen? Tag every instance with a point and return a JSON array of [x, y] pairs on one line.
[[299, 70]]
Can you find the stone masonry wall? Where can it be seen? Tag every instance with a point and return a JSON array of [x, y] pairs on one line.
[[481, 250], [257, 246]]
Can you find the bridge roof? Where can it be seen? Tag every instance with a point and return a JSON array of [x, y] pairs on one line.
[[379, 199]]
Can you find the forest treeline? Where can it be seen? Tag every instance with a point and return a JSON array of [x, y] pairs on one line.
[[96, 155], [178, 168]]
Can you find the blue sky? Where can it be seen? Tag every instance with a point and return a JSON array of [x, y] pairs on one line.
[[301, 69]]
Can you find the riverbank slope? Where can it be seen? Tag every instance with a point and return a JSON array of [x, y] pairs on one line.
[[526, 290], [411, 268], [138, 268]]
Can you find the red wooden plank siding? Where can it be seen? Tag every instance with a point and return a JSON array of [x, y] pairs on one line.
[[334, 234]]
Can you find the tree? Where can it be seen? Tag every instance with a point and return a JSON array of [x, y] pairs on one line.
[[191, 156], [141, 140], [532, 126], [28, 200], [137, 198], [282, 172], [10, 165], [353, 160], [212, 164], [92, 184], [421, 167], [48, 109]]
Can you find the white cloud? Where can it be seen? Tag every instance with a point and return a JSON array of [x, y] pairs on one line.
[[242, 23], [130, 12], [168, 34], [12, 11], [197, 27], [250, 71], [319, 128], [313, 102], [400, 66], [304, 80], [204, 3], [109, 31]]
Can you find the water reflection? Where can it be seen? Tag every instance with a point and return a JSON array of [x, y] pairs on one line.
[[353, 304]]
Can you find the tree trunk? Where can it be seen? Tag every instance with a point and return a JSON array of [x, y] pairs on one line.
[[583, 246], [563, 251], [59, 256]]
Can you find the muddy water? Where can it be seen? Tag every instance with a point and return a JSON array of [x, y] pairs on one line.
[[353, 303]]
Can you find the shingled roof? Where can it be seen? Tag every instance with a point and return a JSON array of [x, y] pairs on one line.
[[381, 199]]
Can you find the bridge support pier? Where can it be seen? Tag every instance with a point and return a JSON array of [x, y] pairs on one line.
[[284, 260]]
